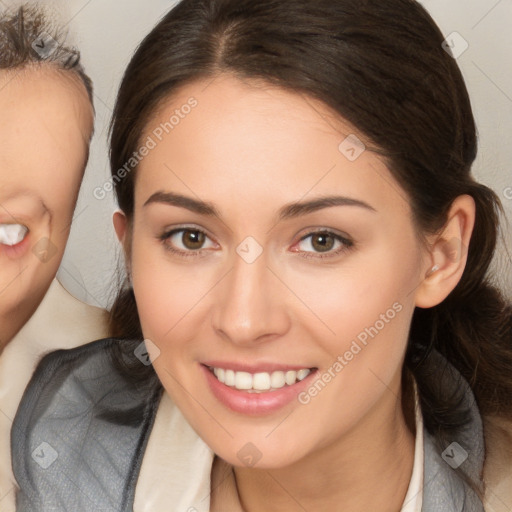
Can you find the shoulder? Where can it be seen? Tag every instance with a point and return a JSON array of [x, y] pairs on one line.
[[78, 432], [87, 373], [454, 458]]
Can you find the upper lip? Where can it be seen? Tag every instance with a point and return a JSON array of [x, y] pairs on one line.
[[256, 367]]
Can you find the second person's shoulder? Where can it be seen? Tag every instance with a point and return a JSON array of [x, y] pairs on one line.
[[84, 420]]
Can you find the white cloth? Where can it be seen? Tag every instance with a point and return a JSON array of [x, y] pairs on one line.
[[61, 321], [176, 454], [414, 497]]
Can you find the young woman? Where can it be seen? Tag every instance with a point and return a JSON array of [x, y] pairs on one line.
[[307, 256]]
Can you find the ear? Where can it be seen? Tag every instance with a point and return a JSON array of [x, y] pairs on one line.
[[447, 254], [120, 223], [122, 229], [123, 232]]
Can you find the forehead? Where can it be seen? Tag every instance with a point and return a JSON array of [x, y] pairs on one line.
[[238, 120], [45, 91], [230, 99], [46, 115], [257, 141]]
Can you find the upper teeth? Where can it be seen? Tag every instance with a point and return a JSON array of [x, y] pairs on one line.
[[12, 234], [262, 381]]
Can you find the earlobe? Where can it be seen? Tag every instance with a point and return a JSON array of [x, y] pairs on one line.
[[447, 254]]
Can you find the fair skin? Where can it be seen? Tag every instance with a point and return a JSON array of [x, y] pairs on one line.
[[47, 121], [249, 151]]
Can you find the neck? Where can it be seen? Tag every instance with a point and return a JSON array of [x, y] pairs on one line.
[[369, 468]]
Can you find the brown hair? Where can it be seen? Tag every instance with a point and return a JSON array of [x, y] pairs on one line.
[[382, 67], [27, 37]]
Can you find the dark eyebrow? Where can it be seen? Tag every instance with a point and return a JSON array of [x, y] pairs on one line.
[[302, 208], [194, 205], [287, 212]]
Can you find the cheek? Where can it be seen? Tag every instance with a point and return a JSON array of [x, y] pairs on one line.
[[343, 303], [24, 282], [63, 204], [28, 268], [363, 354], [167, 295], [368, 333], [60, 186], [362, 313]]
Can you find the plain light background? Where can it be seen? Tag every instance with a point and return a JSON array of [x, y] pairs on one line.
[[107, 33]]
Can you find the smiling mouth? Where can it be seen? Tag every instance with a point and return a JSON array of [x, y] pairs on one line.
[[259, 382], [12, 234]]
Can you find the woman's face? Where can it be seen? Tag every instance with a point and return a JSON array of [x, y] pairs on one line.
[[241, 264], [45, 130]]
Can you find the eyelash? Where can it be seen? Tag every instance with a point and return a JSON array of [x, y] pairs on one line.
[[165, 237], [347, 244]]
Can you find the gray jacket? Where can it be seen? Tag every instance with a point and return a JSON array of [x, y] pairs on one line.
[[81, 430]]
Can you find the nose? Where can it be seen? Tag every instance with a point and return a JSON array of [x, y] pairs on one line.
[[251, 304]]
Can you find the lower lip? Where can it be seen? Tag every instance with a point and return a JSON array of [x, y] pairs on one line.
[[255, 403], [16, 251]]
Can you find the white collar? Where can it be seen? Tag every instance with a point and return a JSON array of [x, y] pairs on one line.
[[414, 498]]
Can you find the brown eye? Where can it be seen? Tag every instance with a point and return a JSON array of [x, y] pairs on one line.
[[322, 242], [186, 242], [193, 239]]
